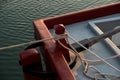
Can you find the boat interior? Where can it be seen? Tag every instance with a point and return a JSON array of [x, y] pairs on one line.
[[98, 60], [104, 48]]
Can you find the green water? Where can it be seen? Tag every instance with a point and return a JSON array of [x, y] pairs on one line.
[[16, 26]]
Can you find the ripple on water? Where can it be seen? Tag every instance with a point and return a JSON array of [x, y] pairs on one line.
[[16, 18]]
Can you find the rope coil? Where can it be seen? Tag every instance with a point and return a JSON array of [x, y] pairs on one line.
[[85, 62], [86, 65]]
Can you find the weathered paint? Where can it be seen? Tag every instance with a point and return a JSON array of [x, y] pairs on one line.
[[53, 55]]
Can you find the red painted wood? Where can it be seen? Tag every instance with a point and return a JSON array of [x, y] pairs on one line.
[[54, 57], [60, 29], [83, 15], [28, 57]]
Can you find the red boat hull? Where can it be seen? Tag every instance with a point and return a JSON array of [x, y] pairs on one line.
[[55, 60]]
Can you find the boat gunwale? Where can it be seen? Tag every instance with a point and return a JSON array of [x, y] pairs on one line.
[[52, 54], [82, 15]]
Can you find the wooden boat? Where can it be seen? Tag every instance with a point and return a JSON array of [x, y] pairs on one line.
[[82, 24]]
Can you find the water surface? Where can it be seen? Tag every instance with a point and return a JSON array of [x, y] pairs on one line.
[[16, 26]]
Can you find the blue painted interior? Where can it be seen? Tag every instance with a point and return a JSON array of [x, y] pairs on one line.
[[86, 29]]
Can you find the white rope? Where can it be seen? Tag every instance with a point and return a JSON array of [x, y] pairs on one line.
[[94, 54], [101, 60], [97, 61], [83, 60], [72, 50], [84, 63], [108, 76], [87, 65], [56, 37]]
